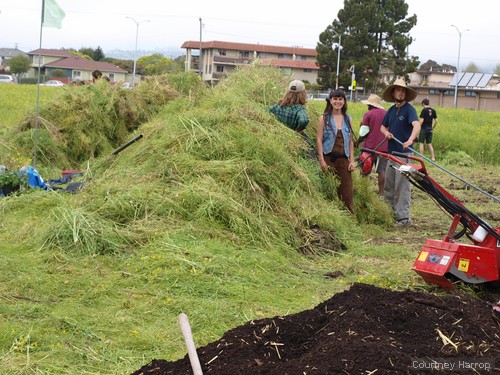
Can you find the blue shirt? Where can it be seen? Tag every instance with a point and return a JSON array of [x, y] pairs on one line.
[[398, 120]]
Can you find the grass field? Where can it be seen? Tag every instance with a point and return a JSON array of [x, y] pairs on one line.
[[213, 213]]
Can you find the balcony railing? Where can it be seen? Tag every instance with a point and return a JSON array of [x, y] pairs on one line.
[[219, 75], [232, 60]]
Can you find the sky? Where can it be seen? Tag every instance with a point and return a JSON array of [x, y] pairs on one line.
[[166, 24]]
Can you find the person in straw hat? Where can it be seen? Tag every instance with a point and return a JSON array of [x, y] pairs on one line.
[[400, 127], [374, 140]]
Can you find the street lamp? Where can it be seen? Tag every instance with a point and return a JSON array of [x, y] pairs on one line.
[[458, 64], [338, 62], [137, 23]]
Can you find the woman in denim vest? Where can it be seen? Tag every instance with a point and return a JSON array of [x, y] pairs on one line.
[[336, 146]]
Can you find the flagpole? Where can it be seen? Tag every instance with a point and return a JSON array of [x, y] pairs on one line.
[[38, 86]]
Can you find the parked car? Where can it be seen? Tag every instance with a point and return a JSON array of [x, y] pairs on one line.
[[53, 82], [7, 78], [320, 96]]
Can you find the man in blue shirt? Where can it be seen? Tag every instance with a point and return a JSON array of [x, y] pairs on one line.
[[400, 123]]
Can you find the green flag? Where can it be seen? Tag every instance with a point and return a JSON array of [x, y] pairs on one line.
[[52, 14]]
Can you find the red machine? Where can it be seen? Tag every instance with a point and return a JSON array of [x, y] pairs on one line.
[[442, 262]]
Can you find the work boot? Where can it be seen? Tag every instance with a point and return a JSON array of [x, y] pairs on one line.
[[403, 223]]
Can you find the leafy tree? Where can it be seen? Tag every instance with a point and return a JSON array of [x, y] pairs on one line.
[[128, 65], [80, 54], [430, 65], [449, 68], [98, 54], [157, 64], [472, 68], [58, 73], [375, 36], [86, 51], [94, 54], [19, 64]]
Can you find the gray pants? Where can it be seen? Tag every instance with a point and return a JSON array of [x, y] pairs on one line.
[[397, 191]]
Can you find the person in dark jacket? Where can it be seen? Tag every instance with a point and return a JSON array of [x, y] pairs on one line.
[[428, 115]]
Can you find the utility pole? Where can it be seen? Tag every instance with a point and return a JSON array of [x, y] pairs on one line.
[[200, 63]]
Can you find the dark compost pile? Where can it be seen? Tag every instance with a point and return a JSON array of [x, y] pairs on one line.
[[364, 330]]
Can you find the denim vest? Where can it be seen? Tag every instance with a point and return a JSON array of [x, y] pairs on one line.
[[330, 133]]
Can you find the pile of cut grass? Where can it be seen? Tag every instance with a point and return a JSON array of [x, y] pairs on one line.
[[89, 121]]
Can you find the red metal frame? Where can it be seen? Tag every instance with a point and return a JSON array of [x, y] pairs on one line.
[[439, 261]]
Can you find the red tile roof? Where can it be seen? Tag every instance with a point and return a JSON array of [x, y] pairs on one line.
[[51, 52], [76, 62], [250, 47], [69, 60]]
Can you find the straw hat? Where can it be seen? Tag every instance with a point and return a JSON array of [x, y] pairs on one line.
[[373, 100], [410, 93]]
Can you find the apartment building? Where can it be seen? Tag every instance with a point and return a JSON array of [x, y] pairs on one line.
[[476, 91], [220, 58]]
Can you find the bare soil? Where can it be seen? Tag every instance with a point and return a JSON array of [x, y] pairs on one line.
[[366, 329]]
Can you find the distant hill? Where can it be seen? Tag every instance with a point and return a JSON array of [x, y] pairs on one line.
[[171, 52]]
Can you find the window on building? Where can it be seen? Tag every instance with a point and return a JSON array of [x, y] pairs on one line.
[[302, 58], [261, 55], [220, 68], [221, 52], [111, 77], [434, 91], [425, 77], [76, 74], [470, 93], [308, 70], [244, 53], [284, 56], [448, 92]]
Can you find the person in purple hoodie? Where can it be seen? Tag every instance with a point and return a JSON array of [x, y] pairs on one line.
[[374, 140]]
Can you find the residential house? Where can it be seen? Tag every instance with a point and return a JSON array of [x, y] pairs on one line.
[[75, 68], [6, 54], [220, 58]]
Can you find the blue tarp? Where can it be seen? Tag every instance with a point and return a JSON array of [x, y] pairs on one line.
[[34, 179]]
